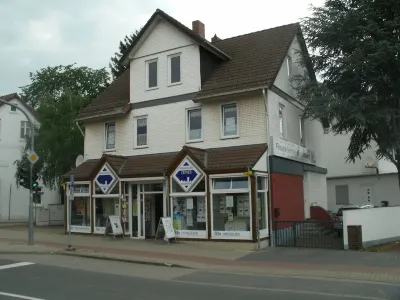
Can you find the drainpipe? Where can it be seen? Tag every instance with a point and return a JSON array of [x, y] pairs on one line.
[[271, 232], [166, 192]]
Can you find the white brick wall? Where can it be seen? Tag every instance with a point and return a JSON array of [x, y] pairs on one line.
[[162, 42], [167, 128]]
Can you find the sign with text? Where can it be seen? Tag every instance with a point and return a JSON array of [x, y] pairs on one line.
[[106, 179], [187, 175], [116, 226], [292, 151]]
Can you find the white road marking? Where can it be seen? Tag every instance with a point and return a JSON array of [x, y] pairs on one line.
[[16, 265], [280, 290], [19, 296]]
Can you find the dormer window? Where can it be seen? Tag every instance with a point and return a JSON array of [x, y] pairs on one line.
[[152, 74], [174, 66]]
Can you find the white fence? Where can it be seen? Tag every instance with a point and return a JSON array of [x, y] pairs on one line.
[[379, 225]]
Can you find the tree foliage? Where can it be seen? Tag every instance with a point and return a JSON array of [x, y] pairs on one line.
[[58, 93], [115, 65], [355, 48]]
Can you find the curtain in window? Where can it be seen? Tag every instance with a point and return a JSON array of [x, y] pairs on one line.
[[142, 132], [110, 135], [230, 120]]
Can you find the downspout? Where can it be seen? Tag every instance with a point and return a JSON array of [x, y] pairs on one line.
[[271, 232], [167, 204]]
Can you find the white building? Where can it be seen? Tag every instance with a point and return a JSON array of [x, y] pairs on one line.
[[14, 201], [367, 180], [208, 109]]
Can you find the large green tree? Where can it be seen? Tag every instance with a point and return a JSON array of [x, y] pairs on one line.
[[58, 93], [355, 46], [115, 64]]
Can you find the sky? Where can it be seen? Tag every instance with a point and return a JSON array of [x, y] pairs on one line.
[[35, 34]]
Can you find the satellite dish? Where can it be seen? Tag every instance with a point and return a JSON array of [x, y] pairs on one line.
[[79, 160], [371, 162]]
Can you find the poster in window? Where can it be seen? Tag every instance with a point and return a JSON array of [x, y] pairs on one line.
[[230, 125], [229, 201]]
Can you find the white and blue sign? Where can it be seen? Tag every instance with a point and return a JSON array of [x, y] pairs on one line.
[[106, 179], [187, 175]]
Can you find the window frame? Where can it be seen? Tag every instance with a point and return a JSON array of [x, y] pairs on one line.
[[302, 131], [282, 133], [187, 112], [222, 116], [289, 65], [13, 107], [135, 128], [106, 136], [26, 128], [347, 194], [170, 83], [148, 62]]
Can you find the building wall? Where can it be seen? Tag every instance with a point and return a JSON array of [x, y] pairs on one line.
[[382, 188], [290, 201], [14, 202], [315, 191], [162, 42], [378, 225], [167, 127]]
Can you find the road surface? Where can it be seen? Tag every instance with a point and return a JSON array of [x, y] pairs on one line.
[[55, 277]]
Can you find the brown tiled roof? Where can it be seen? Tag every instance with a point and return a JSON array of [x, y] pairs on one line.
[[211, 160], [114, 101], [15, 96], [255, 60]]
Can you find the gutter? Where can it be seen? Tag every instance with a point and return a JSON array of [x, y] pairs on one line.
[[270, 223], [198, 99]]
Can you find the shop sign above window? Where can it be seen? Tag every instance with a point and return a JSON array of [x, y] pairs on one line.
[[106, 179], [187, 175]]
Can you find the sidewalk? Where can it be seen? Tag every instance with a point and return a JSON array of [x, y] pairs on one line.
[[210, 258]]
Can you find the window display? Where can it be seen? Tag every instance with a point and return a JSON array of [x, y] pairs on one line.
[[190, 216], [80, 215], [104, 207]]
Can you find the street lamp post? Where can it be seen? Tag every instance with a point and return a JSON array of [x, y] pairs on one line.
[[30, 233]]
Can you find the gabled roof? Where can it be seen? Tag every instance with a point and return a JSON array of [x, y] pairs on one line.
[[113, 102], [12, 96], [212, 160], [196, 37], [256, 59]]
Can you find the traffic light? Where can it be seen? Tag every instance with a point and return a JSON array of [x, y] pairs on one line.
[[35, 177], [23, 177]]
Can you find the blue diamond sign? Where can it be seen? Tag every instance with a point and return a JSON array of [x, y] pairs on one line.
[[187, 175], [106, 179]]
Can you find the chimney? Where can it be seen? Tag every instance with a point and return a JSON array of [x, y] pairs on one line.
[[215, 39], [199, 28]]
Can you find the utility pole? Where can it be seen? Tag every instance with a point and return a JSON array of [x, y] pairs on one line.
[[30, 232]]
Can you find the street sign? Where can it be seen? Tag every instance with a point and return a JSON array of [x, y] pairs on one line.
[[72, 180], [33, 157]]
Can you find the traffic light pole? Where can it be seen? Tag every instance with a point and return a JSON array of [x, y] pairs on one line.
[[30, 232]]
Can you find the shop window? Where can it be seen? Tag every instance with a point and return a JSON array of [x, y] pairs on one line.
[[152, 187], [231, 183], [199, 188], [80, 213], [189, 213], [81, 189], [104, 207], [262, 198]]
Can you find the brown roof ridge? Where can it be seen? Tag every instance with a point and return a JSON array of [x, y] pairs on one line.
[[257, 31]]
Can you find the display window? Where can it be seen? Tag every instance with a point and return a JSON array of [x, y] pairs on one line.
[[189, 216], [262, 212], [81, 215], [231, 208], [104, 207]]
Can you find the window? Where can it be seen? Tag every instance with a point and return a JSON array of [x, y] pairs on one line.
[[342, 194], [289, 65], [141, 132], [301, 125], [189, 213], [25, 129], [110, 136], [281, 121], [229, 120], [262, 196], [194, 125], [152, 74], [13, 108], [104, 207], [80, 214], [174, 62]]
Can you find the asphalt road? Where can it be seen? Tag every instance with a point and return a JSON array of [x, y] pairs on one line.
[[65, 278]]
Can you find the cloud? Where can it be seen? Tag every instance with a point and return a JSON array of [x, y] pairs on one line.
[[35, 34]]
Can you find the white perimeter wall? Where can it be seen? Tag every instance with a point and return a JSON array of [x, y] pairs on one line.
[[379, 225]]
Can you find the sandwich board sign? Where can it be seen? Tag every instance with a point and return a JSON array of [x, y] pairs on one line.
[[113, 226], [165, 226]]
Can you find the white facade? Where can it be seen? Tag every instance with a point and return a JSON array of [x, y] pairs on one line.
[[359, 183], [14, 202]]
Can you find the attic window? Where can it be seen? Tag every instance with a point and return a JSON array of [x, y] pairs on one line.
[[152, 74], [13, 108], [289, 65]]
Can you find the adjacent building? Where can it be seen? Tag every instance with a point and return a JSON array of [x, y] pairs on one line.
[[208, 133], [14, 201], [368, 180]]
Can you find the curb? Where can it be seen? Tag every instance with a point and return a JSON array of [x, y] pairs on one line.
[[125, 260]]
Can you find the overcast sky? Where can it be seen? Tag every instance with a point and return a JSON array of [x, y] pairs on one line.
[[39, 33]]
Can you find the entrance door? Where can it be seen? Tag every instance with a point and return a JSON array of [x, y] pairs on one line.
[[153, 211]]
